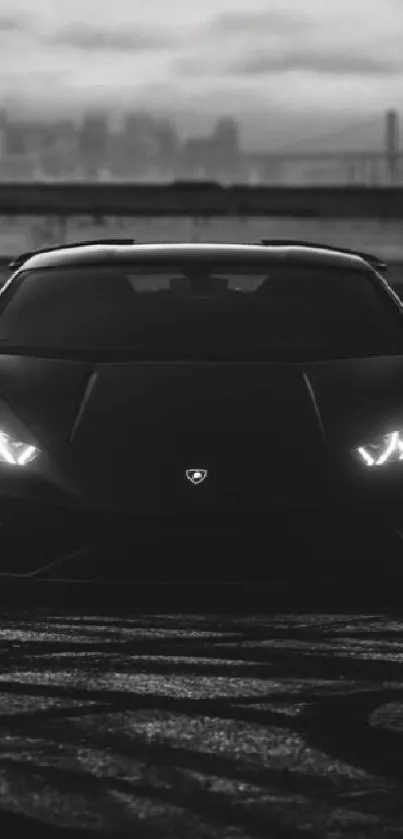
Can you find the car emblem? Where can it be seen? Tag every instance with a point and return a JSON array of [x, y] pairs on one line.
[[196, 476]]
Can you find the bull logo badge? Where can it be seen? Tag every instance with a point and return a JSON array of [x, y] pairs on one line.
[[196, 476]]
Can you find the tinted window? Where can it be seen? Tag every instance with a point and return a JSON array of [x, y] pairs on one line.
[[178, 311]]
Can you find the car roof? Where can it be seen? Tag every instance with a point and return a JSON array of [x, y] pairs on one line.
[[111, 252]]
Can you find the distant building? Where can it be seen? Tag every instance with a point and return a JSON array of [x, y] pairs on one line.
[[20, 167], [168, 150], [20, 150], [226, 149], [60, 150], [197, 158], [3, 130], [44, 149], [134, 147], [93, 145], [217, 157], [16, 139]]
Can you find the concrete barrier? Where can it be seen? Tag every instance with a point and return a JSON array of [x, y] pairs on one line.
[[199, 199]]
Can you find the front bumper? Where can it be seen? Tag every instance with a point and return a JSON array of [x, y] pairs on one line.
[[43, 541]]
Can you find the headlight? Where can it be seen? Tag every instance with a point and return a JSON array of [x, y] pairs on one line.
[[15, 452], [386, 449]]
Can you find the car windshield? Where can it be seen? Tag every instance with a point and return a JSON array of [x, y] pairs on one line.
[[237, 311]]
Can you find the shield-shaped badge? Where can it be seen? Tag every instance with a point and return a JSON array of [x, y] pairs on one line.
[[196, 476]]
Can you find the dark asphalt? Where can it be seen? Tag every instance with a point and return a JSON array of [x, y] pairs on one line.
[[191, 725]]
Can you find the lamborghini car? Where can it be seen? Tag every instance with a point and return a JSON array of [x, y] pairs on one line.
[[203, 411]]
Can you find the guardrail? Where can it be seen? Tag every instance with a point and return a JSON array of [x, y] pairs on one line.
[[198, 199]]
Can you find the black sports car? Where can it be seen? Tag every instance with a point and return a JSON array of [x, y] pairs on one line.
[[164, 407]]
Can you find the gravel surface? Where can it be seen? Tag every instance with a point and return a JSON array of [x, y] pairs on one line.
[[186, 725]]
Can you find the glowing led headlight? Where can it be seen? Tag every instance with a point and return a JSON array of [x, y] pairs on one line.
[[386, 449], [15, 452]]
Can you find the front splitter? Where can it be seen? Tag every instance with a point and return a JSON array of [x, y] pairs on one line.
[[193, 556]]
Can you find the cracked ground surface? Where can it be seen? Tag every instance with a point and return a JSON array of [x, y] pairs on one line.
[[190, 725]]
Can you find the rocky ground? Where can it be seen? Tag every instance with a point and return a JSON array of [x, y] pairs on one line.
[[201, 725]]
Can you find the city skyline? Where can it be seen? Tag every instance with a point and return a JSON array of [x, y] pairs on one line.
[[145, 147], [286, 67]]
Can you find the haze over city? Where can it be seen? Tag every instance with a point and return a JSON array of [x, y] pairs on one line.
[[284, 69]]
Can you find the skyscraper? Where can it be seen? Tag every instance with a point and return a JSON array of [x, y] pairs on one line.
[[93, 145]]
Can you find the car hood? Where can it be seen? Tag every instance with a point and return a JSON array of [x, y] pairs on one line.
[[267, 433]]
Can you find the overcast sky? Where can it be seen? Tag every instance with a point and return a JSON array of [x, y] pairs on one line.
[[279, 65]]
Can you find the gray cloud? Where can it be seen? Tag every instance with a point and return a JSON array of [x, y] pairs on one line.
[[14, 23], [119, 39], [273, 41], [346, 62], [277, 21], [313, 60]]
